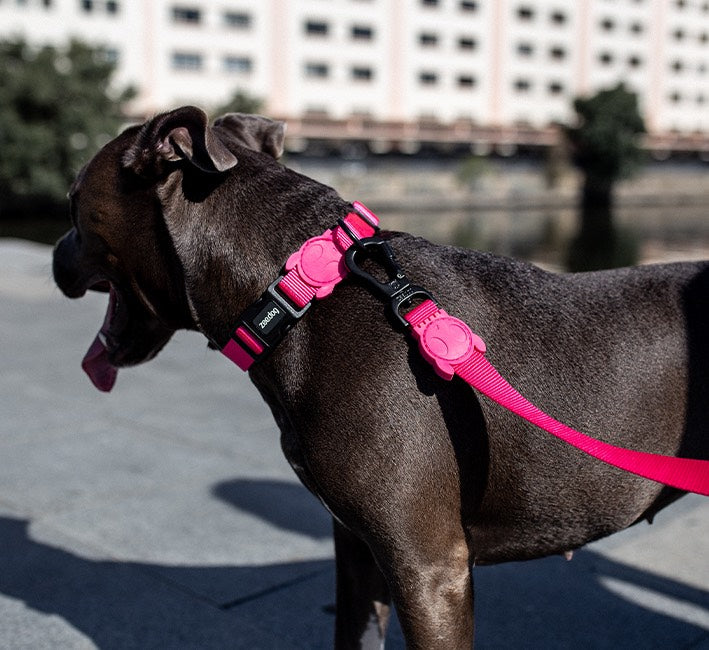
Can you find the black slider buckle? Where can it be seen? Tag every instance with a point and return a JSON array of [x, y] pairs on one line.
[[269, 319], [397, 289]]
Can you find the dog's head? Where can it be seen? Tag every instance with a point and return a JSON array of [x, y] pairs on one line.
[[120, 242]]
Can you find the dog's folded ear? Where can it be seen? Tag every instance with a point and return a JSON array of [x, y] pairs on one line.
[[254, 132], [182, 134]]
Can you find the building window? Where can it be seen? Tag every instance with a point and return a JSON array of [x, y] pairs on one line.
[[525, 49], [556, 88], [362, 33], [467, 43], [429, 3], [466, 81], [607, 24], [428, 78], [186, 15], [237, 19], [557, 53], [189, 61], [636, 28], [525, 13], [238, 64], [678, 34], [317, 28], [635, 61], [522, 85], [676, 97], [89, 6], [362, 73], [606, 58], [317, 70], [558, 17], [428, 39], [468, 5]]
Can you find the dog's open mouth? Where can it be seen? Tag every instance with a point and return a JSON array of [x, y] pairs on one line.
[[126, 337], [96, 362]]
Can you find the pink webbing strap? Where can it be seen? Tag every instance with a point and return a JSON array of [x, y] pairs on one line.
[[319, 265], [439, 336]]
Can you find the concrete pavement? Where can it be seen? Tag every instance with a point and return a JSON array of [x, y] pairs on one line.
[[163, 515]]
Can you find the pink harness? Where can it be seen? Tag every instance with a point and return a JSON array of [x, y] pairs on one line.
[[445, 341]]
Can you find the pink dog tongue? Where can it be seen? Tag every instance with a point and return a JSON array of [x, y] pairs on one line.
[[95, 363]]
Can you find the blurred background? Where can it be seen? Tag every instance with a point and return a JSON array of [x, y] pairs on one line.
[[575, 134]]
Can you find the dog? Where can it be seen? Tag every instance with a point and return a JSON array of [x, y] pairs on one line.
[[185, 223]]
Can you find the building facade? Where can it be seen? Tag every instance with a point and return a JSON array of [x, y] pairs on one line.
[[388, 70]]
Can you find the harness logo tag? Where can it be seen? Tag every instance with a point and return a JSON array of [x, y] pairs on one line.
[[269, 317]]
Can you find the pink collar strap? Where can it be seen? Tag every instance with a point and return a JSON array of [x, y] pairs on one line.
[[444, 341]]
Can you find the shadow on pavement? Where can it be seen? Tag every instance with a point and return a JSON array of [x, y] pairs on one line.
[[590, 602]]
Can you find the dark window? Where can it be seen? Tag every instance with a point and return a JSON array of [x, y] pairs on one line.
[[362, 33], [467, 43], [188, 15], [525, 49], [525, 13], [429, 3], [317, 70], [466, 81], [557, 53], [428, 78], [608, 24], [635, 61], [468, 5], [317, 28], [237, 19], [606, 58], [556, 88], [558, 17], [362, 73], [523, 85], [238, 64], [187, 61], [428, 40]]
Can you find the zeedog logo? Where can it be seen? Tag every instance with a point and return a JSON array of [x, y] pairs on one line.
[[268, 318]]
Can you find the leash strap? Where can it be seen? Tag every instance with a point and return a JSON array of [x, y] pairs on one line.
[[453, 349]]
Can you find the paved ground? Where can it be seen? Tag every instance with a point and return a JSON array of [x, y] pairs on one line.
[[164, 516]]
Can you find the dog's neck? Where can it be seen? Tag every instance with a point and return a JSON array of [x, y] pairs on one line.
[[269, 211]]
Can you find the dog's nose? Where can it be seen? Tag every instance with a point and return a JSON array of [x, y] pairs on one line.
[[65, 263]]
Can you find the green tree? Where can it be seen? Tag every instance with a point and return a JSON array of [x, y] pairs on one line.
[[57, 106], [606, 148], [240, 102]]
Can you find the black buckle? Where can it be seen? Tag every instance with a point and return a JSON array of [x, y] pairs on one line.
[[269, 319], [397, 289]]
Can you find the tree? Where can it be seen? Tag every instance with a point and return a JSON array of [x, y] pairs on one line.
[[240, 102], [57, 106], [606, 149]]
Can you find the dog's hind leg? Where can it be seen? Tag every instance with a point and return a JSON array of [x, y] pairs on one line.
[[363, 602]]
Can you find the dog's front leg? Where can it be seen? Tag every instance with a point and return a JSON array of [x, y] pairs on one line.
[[363, 602]]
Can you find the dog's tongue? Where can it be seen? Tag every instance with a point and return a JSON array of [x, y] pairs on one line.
[[95, 363]]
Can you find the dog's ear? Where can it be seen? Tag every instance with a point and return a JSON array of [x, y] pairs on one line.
[[182, 134], [255, 132]]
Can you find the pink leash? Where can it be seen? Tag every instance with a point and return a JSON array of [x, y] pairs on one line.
[[445, 341], [452, 348]]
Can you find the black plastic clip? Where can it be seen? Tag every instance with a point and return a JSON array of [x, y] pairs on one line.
[[270, 318], [397, 288]]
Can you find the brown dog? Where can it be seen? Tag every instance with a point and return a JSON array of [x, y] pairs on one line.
[[187, 224]]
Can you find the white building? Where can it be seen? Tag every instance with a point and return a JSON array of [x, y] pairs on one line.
[[398, 69]]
